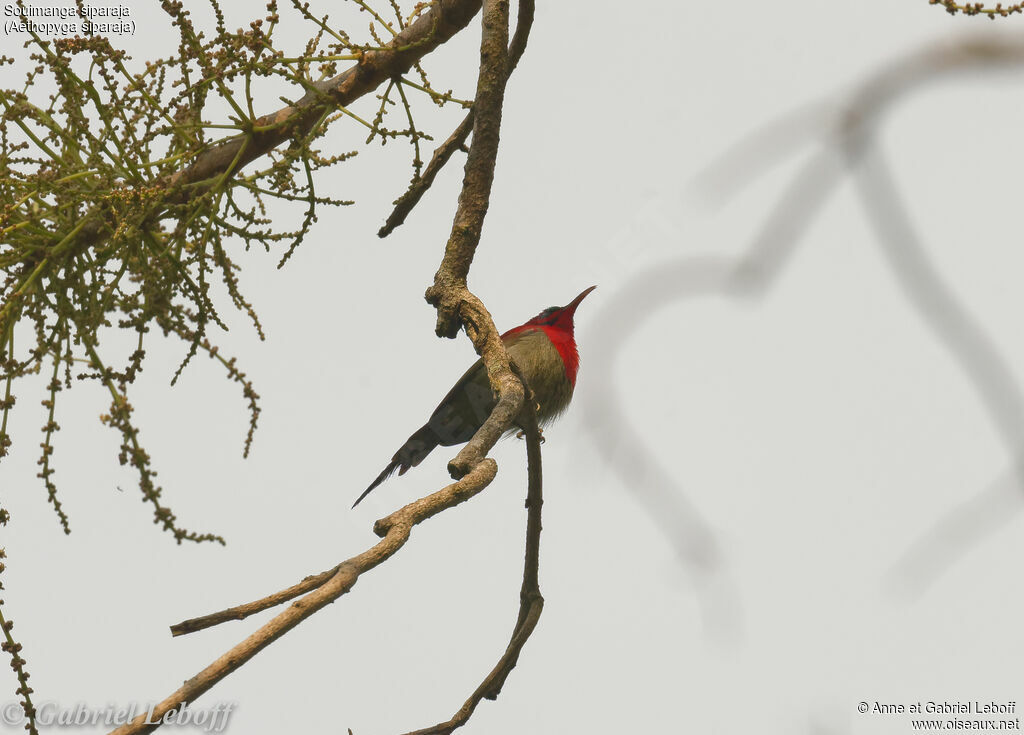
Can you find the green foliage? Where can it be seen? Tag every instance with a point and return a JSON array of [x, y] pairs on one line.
[[105, 227], [1000, 10], [13, 650], [100, 231]]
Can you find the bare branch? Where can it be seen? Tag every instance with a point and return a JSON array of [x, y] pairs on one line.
[[449, 289], [408, 201], [456, 307], [395, 529], [457, 140], [531, 602], [241, 612]]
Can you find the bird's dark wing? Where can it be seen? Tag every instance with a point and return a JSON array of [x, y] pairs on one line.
[[464, 409], [454, 421]]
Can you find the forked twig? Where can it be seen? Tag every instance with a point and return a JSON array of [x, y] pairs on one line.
[[457, 140], [430, 30], [395, 530], [241, 612], [531, 602], [457, 307]]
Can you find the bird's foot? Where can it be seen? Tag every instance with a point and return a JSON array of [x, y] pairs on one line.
[[540, 432]]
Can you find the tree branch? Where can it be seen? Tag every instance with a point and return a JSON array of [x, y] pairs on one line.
[[457, 307], [457, 140], [479, 325], [241, 612], [408, 201], [430, 30], [395, 530], [449, 293], [531, 602]]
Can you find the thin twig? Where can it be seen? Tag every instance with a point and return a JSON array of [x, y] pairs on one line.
[[395, 530], [430, 30], [531, 602], [241, 612], [405, 203], [485, 336], [456, 307], [457, 140], [1000, 10]]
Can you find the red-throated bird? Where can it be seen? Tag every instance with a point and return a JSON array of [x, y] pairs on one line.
[[544, 349]]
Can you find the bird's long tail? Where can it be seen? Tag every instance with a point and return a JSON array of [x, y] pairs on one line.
[[414, 451]]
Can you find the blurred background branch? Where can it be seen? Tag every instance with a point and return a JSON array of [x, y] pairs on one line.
[[840, 141]]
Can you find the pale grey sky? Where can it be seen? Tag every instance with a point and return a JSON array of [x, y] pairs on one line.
[[818, 429]]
